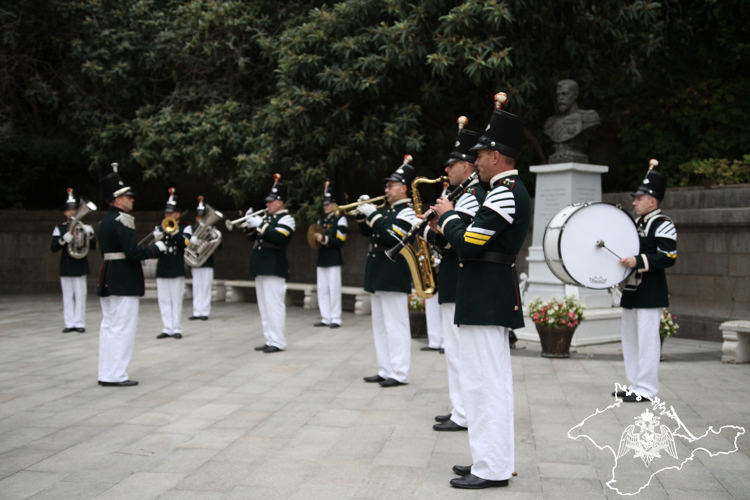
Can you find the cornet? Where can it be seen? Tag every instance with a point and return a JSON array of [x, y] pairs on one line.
[[231, 224], [351, 208], [169, 225]]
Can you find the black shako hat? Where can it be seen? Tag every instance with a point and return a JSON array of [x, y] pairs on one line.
[[200, 211], [112, 186], [655, 183], [404, 174], [327, 194], [278, 190], [464, 141], [173, 205], [71, 202], [504, 133]]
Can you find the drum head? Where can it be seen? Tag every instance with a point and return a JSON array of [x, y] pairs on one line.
[[588, 264]]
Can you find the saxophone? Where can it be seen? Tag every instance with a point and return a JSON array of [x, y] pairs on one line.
[[417, 252]]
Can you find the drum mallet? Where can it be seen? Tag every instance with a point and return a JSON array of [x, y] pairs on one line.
[[601, 244]]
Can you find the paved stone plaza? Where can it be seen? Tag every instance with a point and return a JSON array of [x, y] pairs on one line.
[[213, 419]]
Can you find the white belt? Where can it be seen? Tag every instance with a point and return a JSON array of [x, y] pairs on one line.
[[115, 256]]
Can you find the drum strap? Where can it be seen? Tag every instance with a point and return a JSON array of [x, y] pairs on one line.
[[497, 257]]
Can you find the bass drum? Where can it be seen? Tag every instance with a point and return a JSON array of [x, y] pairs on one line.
[[571, 250]]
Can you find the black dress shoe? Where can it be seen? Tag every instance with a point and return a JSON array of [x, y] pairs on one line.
[[635, 398], [442, 350], [81, 330], [428, 348], [124, 383], [177, 336], [472, 482], [193, 318], [619, 394], [204, 318], [374, 378], [163, 335], [262, 347], [462, 470], [334, 325], [391, 382], [442, 418], [270, 349], [68, 330], [320, 323], [448, 425]]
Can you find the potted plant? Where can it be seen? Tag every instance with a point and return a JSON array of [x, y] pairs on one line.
[[667, 327], [556, 322], [417, 318]]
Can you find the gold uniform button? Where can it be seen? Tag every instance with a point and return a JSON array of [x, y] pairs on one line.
[[460, 265], [515, 308]]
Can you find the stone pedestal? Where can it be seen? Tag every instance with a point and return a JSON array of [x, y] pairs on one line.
[[736, 346], [558, 186]]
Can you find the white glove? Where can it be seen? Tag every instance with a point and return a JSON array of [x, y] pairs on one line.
[[158, 235], [89, 229], [67, 237], [194, 240], [367, 209], [249, 211], [363, 197], [161, 246], [254, 222]]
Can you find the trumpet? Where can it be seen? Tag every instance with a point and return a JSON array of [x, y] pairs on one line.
[[351, 208], [231, 224], [169, 225]]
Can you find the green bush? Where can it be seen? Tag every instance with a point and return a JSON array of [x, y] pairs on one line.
[[715, 171]]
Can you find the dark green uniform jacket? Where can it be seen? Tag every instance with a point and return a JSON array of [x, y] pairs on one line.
[[123, 277], [209, 261], [172, 263], [381, 273], [329, 254], [648, 287], [466, 208], [487, 292], [68, 265], [271, 240]]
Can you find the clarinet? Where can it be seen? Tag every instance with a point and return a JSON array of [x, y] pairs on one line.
[[428, 216]]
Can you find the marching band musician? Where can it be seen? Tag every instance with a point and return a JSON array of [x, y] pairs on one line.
[[269, 265], [330, 262], [388, 281], [646, 293], [488, 300], [203, 276], [73, 271], [170, 270], [459, 167], [120, 281]]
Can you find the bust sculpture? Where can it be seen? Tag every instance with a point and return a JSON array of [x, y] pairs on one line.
[[565, 127]]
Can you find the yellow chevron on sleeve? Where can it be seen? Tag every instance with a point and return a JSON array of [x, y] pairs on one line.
[[285, 233], [477, 236], [340, 236], [187, 242], [469, 239], [398, 231]]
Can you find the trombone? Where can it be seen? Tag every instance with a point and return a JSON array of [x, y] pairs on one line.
[[169, 225], [351, 208], [232, 224]]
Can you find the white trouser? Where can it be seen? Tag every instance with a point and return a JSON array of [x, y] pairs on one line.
[[116, 336], [390, 326], [487, 389], [203, 278], [641, 349], [434, 323], [74, 301], [450, 339], [271, 292], [171, 292], [329, 294]]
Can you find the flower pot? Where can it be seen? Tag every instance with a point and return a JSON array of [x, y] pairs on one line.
[[555, 341], [418, 324]]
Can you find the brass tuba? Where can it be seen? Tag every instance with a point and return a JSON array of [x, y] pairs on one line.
[[78, 247], [208, 238], [417, 253]]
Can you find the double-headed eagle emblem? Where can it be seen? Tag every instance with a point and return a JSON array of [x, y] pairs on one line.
[[647, 443]]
